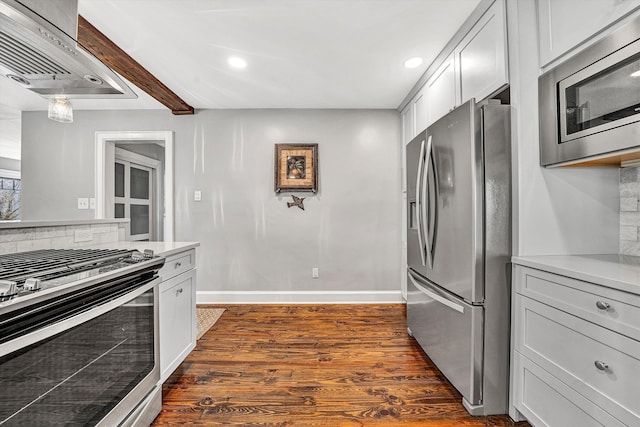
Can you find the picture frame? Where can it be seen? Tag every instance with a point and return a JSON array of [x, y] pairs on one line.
[[296, 168]]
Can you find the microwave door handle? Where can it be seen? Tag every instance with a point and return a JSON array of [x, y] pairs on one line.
[[418, 204], [457, 307], [425, 207]]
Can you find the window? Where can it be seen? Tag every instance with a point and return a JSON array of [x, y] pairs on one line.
[[9, 198]]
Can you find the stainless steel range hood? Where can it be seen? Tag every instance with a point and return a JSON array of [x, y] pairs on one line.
[[38, 50]]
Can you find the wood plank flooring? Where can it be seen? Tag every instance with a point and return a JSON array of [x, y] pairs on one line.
[[313, 365]]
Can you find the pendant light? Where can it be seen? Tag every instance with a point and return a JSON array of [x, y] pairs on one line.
[[60, 110]]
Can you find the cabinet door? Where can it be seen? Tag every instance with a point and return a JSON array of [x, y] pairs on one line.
[[441, 91], [420, 111], [177, 321], [564, 24], [547, 401], [481, 57], [408, 130]]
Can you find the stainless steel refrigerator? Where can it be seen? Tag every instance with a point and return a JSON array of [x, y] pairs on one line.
[[458, 243]]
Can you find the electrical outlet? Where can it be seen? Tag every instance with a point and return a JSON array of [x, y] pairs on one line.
[[315, 273], [82, 236], [83, 203], [197, 195]]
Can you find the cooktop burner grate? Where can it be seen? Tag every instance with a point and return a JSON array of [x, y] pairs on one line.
[[20, 266]]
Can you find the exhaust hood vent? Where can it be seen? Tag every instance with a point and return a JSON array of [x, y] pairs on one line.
[[38, 50], [28, 62]]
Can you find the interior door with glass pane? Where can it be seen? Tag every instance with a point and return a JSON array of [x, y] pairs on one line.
[[133, 198]]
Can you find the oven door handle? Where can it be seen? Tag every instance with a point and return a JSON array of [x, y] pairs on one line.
[[66, 324]]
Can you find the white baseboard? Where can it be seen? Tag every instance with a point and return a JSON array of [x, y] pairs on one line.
[[300, 297]]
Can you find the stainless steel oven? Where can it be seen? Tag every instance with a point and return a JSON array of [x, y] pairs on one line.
[[82, 349], [590, 104]]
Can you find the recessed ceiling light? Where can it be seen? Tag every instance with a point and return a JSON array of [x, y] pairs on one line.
[[413, 62], [236, 62]]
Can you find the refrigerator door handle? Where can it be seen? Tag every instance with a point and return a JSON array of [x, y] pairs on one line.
[[419, 206], [457, 307], [423, 212]]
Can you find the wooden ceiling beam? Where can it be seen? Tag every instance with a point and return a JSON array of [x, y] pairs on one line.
[[90, 38]]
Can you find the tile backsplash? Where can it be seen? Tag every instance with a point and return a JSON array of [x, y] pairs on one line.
[[57, 237], [630, 211]]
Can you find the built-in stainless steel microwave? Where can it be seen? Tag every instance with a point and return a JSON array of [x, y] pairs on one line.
[[590, 104]]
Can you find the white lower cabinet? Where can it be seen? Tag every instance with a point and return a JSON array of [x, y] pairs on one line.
[[178, 326], [547, 401], [576, 353]]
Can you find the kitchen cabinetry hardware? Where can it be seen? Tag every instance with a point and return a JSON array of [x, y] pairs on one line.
[[603, 305], [178, 264], [179, 291], [602, 366]]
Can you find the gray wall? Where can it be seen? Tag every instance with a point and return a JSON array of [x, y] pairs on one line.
[[251, 242]]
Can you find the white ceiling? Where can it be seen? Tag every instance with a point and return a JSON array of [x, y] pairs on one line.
[[300, 53]]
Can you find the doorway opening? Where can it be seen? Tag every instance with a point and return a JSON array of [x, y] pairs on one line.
[[134, 179], [137, 193]]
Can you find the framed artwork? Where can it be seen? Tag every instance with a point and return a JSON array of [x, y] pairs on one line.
[[296, 168]]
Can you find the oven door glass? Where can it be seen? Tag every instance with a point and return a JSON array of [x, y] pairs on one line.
[[602, 96], [78, 376]]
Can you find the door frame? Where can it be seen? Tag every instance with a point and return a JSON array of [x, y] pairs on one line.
[[105, 156]]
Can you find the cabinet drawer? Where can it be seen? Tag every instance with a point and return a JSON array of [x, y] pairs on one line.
[[570, 348], [178, 263], [546, 401], [177, 321], [610, 308]]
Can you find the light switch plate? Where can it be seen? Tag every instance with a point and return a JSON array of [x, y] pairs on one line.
[[92, 203], [197, 195]]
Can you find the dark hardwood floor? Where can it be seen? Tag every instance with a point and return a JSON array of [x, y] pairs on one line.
[[313, 365]]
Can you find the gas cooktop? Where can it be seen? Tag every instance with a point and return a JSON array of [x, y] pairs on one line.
[[25, 273]]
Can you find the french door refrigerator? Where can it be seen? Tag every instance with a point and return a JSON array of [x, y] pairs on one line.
[[458, 243]]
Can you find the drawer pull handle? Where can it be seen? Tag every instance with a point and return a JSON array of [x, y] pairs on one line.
[[601, 365], [179, 291], [178, 264], [603, 305]]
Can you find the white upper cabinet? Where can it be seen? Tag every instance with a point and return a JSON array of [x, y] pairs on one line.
[[407, 135], [565, 24], [481, 57], [408, 130], [441, 91], [420, 112]]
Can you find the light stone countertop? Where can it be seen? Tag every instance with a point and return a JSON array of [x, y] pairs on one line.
[[7, 225], [620, 272], [159, 248]]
